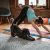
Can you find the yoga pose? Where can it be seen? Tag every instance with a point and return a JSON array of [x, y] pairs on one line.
[[26, 13], [15, 30], [37, 22]]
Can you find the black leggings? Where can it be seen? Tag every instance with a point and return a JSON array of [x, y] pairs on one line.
[[16, 31], [19, 20]]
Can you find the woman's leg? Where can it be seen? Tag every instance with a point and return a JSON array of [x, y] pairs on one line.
[[12, 31], [21, 20], [26, 35], [45, 28], [15, 30], [17, 19]]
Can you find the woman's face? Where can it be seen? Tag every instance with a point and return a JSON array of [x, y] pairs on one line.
[[38, 25]]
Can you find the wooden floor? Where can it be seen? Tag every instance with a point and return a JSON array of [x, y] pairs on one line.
[[7, 26], [29, 26], [4, 26]]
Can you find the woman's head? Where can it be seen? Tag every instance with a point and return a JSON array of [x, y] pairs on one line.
[[39, 21]]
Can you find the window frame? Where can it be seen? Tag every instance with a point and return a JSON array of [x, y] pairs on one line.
[[39, 6], [21, 4]]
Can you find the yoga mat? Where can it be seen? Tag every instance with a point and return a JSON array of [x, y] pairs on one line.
[[35, 36], [45, 39]]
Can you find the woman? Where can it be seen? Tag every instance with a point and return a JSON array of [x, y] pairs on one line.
[[15, 30], [36, 21], [39, 23]]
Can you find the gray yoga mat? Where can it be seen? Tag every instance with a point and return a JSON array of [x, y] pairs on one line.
[[9, 43]]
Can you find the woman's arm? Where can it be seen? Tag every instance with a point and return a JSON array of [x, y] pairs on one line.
[[46, 28], [35, 26]]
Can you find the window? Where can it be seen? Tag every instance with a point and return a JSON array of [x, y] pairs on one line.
[[21, 2], [32, 2], [37, 2], [42, 2]]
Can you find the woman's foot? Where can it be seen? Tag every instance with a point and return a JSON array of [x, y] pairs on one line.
[[12, 31], [30, 38]]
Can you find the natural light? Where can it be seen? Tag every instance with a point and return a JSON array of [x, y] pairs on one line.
[[32, 2], [42, 2], [21, 2]]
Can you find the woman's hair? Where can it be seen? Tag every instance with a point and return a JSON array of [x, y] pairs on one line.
[[39, 20]]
